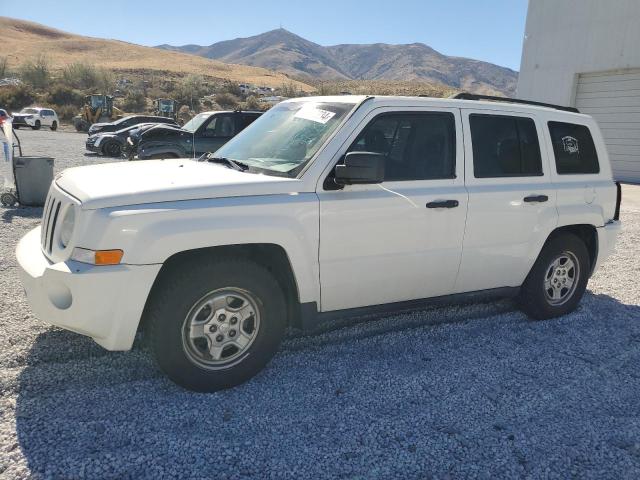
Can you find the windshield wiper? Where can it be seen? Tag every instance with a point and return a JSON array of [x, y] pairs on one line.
[[236, 165]]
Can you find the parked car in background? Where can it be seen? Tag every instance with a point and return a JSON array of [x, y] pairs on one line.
[[128, 122], [133, 139], [36, 117], [113, 144], [325, 207], [206, 132]]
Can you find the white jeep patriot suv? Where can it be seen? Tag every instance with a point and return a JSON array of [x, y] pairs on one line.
[[323, 207]]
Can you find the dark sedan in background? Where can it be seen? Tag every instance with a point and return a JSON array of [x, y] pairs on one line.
[[128, 122], [113, 144]]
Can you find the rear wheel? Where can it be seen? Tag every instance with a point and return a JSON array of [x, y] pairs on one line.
[[112, 149], [37, 125], [54, 126], [214, 324], [558, 279]]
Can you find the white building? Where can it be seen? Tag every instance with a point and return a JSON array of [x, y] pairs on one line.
[[586, 53]]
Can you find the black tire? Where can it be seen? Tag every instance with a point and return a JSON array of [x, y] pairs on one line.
[[178, 293], [16, 127], [112, 149], [37, 125], [534, 299], [54, 126], [8, 199]]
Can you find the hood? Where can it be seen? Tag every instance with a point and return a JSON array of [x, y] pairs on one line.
[[99, 126], [151, 181], [164, 129], [13, 114]]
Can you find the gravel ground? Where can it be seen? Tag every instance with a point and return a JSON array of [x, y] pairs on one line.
[[473, 391]]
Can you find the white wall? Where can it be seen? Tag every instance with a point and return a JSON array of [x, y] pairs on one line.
[[567, 37]]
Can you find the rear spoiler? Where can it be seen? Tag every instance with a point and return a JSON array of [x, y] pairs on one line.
[[616, 215]]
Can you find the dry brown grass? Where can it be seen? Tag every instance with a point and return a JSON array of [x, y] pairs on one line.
[[383, 87], [22, 40]]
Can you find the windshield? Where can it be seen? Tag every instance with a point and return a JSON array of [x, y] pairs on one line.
[[286, 137], [193, 124], [28, 110]]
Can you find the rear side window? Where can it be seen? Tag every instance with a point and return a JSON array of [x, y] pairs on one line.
[[504, 146], [573, 148]]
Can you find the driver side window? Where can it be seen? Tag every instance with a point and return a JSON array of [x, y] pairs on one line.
[[417, 146], [220, 126]]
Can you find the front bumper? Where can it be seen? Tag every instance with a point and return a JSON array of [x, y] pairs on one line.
[[92, 147], [104, 303], [23, 122], [607, 238]]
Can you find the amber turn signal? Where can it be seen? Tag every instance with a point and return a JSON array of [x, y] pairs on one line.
[[108, 257]]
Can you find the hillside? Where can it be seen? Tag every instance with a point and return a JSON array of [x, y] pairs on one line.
[[22, 40], [286, 52]]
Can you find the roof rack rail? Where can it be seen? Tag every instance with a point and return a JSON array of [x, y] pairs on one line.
[[473, 96]]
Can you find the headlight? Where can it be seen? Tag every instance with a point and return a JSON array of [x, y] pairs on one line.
[[97, 141], [68, 221]]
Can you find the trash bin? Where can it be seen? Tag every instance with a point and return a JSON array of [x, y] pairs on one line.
[[33, 179]]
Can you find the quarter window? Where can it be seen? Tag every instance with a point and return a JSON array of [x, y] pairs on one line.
[[573, 148], [420, 146], [504, 146]]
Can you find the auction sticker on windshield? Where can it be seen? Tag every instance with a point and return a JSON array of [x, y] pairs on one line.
[[310, 112]]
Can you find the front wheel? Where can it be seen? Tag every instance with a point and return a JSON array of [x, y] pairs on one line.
[[213, 324], [112, 149], [37, 125], [556, 283]]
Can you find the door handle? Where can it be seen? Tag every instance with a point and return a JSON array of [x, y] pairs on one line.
[[443, 204], [536, 198]]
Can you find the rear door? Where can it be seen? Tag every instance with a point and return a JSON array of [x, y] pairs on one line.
[[402, 239], [243, 120], [512, 201]]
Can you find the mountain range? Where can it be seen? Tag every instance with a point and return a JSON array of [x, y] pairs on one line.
[[283, 51]]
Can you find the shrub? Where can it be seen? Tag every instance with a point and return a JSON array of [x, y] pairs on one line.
[[61, 95], [14, 98], [36, 72], [190, 90], [134, 102], [4, 68], [87, 77], [252, 103], [232, 88], [67, 112], [226, 100]]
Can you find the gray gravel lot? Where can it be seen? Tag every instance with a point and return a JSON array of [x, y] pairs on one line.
[[471, 391]]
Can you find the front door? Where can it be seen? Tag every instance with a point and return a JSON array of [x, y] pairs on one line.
[[512, 202], [215, 133], [402, 239]]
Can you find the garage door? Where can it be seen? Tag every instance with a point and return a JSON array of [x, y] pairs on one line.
[[613, 99]]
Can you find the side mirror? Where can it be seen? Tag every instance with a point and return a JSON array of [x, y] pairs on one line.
[[360, 168]]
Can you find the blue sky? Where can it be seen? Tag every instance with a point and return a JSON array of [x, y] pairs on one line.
[[490, 30]]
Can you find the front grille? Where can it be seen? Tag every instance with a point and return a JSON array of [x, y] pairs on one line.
[[49, 221]]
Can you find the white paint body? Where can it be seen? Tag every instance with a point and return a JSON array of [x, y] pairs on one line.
[[45, 116], [584, 53], [360, 246]]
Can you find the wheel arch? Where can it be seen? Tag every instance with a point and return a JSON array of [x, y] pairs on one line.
[[585, 232], [271, 256]]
